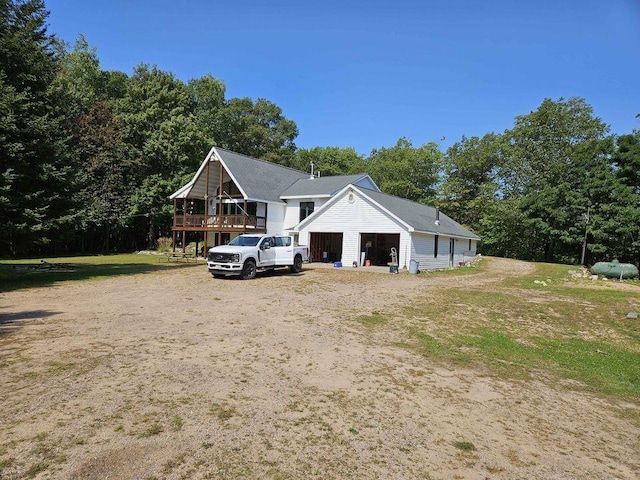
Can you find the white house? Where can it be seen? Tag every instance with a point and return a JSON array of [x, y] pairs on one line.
[[342, 218]]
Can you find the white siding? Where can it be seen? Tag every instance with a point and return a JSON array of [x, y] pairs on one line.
[[275, 219], [362, 216], [351, 219], [422, 250], [462, 252], [292, 214], [365, 183]]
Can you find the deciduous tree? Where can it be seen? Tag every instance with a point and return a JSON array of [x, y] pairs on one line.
[[407, 171]]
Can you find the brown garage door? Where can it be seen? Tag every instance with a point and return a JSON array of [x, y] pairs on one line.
[[325, 247]]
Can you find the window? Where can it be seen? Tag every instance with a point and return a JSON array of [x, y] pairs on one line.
[[245, 241], [306, 209], [283, 241], [469, 244], [435, 247]]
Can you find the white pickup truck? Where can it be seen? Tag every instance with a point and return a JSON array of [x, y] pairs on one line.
[[246, 254]]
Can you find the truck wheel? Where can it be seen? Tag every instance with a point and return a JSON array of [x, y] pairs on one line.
[[248, 270], [297, 265]]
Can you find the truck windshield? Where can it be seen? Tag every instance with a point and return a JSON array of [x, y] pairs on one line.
[[245, 241]]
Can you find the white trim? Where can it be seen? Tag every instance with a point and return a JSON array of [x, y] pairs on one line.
[[262, 200], [450, 235], [181, 192], [296, 197]]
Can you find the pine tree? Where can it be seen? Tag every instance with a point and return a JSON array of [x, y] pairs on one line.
[[35, 179]]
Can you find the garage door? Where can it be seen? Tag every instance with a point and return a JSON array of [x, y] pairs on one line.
[[325, 247], [377, 246]]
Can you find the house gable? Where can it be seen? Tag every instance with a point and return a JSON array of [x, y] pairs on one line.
[[256, 180], [343, 214]]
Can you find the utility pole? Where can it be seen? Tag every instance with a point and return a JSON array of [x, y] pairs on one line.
[[586, 231]]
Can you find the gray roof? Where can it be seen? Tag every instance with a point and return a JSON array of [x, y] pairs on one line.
[[259, 179], [421, 217], [319, 187]]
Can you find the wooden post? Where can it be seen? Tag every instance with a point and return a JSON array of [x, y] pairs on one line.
[[221, 170], [245, 217], [206, 196], [175, 210]]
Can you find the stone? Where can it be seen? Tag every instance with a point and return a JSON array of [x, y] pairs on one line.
[[632, 315]]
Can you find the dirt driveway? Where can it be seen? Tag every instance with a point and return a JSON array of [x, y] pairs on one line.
[[178, 375]]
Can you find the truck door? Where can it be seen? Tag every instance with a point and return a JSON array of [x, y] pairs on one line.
[[267, 252], [284, 251]]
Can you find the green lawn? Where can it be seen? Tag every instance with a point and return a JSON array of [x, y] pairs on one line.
[[17, 274], [571, 329]]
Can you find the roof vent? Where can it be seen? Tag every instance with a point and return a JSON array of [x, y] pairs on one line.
[[311, 177]]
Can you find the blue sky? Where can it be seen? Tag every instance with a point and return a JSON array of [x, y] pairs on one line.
[[365, 73]]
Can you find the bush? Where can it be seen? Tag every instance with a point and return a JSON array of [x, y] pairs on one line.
[[165, 244]]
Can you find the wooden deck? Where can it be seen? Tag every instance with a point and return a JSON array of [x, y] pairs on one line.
[[217, 223]]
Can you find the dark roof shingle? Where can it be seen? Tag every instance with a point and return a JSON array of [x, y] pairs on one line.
[[323, 186], [259, 179], [421, 217]]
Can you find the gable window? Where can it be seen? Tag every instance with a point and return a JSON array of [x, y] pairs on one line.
[[435, 247], [306, 209]]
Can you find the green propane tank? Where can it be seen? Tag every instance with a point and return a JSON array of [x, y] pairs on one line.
[[615, 269]]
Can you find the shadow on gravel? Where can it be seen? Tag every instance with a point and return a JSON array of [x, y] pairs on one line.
[[11, 322], [19, 276]]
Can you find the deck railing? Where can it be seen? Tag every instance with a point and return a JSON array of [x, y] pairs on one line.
[[219, 222]]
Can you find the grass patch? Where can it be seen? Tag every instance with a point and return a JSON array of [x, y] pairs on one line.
[[176, 423], [376, 318], [439, 350], [5, 463], [465, 446], [35, 469], [153, 430], [568, 329], [18, 274], [221, 412], [472, 269]]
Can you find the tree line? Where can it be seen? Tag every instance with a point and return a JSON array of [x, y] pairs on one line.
[[89, 158]]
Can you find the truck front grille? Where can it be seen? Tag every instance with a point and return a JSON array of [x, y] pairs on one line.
[[221, 257]]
